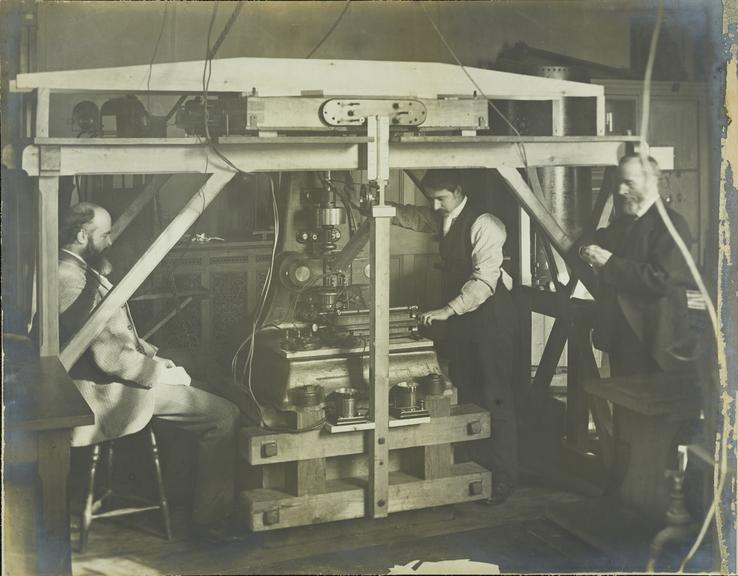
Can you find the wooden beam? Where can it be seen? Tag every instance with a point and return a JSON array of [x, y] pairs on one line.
[[379, 257], [43, 98], [603, 204], [481, 152], [138, 204], [558, 237], [47, 289], [166, 319], [551, 356], [334, 153], [145, 265], [272, 156], [536, 209]]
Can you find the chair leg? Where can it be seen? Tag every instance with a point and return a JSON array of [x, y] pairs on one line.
[[84, 528], [160, 484], [109, 468]]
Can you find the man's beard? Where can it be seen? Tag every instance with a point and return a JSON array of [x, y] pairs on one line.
[[93, 257]]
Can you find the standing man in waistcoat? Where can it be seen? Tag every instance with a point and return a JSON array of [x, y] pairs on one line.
[[479, 312]]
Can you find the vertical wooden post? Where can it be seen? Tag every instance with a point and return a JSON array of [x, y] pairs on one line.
[[525, 276], [55, 555], [379, 230], [600, 115], [43, 96], [577, 408], [48, 265]]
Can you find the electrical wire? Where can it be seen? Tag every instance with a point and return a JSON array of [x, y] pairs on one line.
[[256, 327], [532, 174], [156, 47], [684, 250], [330, 30]]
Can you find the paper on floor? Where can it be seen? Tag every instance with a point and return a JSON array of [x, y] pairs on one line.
[[464, 566]]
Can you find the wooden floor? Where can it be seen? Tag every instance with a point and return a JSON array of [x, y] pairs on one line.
[[516, 536]]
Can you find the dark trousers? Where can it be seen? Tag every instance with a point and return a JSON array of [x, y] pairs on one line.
[[481, 366], [214, 421], [628, 355]]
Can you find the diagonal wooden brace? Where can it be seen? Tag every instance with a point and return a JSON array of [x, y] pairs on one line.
[[138, 204], [119, 295], [538, 211]]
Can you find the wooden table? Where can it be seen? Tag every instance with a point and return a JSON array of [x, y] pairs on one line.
[[648, 412], [42, 405]]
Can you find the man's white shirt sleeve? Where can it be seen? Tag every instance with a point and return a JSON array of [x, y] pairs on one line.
[[487, 238]]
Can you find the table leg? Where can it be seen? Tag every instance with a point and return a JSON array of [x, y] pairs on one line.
[[55, 554]]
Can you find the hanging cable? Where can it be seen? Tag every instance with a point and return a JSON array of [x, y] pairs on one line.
[[331, 29], [156, 46], [684, 250], [532, 174]]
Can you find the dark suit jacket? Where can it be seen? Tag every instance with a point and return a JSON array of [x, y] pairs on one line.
[[645, 282]]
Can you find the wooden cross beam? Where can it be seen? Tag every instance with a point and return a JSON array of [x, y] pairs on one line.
[[119, 295], [559, 238], [138, 204]]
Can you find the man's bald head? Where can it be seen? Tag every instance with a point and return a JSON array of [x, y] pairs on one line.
[[85, 229]]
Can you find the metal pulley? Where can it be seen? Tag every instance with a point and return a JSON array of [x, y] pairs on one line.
[[354, 112]]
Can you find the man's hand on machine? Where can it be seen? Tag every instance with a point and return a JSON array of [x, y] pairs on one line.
[[440, 314], [176, 376]]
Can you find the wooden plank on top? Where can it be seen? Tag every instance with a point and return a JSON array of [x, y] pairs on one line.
[[267, 77]]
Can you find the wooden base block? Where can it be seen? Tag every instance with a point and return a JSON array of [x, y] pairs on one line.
[[305, 477], [429, 462], [265, 509]]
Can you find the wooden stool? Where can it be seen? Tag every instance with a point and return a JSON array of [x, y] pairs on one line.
[[92, 505]]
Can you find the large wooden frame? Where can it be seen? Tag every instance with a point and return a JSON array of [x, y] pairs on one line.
[[49, 158]]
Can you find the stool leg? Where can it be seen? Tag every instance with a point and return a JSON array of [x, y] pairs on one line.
[[160, 484], [84, 528], [109, 468]]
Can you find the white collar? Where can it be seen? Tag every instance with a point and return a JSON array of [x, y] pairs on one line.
[[77, 256], [456, 211], [646, 207]]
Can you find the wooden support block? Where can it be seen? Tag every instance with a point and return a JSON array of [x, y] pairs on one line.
[[306, 477], [466, 482], [438, 405], [265, 509], [259, 446], [428, 462]]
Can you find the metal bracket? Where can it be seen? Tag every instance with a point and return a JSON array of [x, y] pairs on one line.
[[354, 112]]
